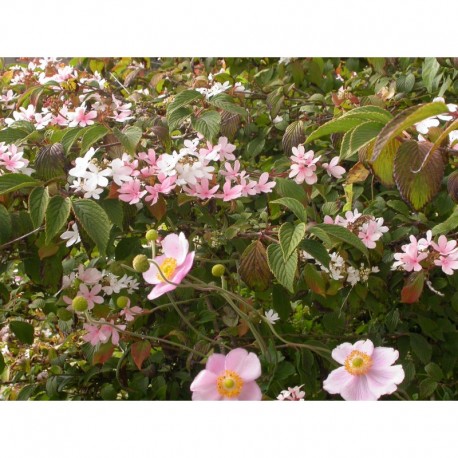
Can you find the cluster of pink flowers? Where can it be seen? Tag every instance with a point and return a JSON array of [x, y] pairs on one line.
[[368, 228], [425, 253], [100, 334], [292, 394], [304, 166], [12, 160]]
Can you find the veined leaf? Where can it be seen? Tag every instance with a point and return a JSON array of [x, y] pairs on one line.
[[413, 288], [294, 135], [184, 98], [176, 117], [294, 205], [226, 103], [38, 203], [449, 225], [342, 124], [290, 235], [129, 137], [207, 123], [383, 166], [92, 135], [316, 250], [10, 182], [56, 216], [314, 280], [5, 225], [254, 269], [359, 137], [285, 272]]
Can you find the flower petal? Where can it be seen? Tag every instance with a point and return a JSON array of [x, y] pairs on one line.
[[384, 380], [204, 380], [152, 275], [176, 246], [341, 352], [247, 365], [215, 363], [250, 392], [366, 346], [337, 380], [183, 270], [383, 357], [358, 390], [159, 290]]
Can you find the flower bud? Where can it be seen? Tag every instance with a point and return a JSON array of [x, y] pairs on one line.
[[152, 235], [218, 270], [122, 301], [140, 263], [79, 304]]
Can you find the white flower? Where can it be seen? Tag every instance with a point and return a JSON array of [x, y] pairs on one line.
[[72, 236], [423, 126], [277, 119], [81, 164], [292, 394], [271, 316]]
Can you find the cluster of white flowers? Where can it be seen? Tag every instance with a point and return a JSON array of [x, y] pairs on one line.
[[292, 394]]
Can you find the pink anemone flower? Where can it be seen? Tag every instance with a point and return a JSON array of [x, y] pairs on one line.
[[174, 264], [228, 378], [366, 372]]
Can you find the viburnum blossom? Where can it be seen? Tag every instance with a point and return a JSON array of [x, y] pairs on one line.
[[129, 312], [131, 192], [80, 118], [411, 257], [304, 165], [366, 372], [271, 316], [333, 169], [102, 333], [11, 159], [72, 236], [229, 378], [292, 394], [174, 265]]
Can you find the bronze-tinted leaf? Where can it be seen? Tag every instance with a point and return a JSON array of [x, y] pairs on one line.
[[357, 174], [293, 136], [254, 269], [452, 185], [140, 351], [230, 123], [51, 162], [413, 287], [419, 188]]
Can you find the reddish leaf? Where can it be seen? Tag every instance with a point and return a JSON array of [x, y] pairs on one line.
[[159, 209], [314, 280], [103, 354], [413, 287], [140, 351], [254, 269]]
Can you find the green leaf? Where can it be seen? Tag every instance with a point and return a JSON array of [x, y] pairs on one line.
[[94, 221], [23, 331], [226, 103], [2, 364], [207, 123], [342, 124], [176, 117], [70, 137], [92, 135], [449, 225], [359, 137], [413, 288], [284, 272], [114, 210], [429, 71], [290, 235], [370, 113], [383, 166], [13, 134], [184, 98], [405, 120], [419, 188], [281, 302], [289, 188], [342, 234], [275, 101], [434, 371], [129, 137], [317, 250], [254, 269], [5, 225], [294, 135], [56, 216], [427, 388], [314, 280], [421, 347], [294, 205], [10, 182], [255, 146], [38, 203], [405, 83]]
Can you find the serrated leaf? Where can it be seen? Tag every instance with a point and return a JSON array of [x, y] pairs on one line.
[[56, 216], [255, 146], [176, 117], [294, 205], [92, 135], [383, 166], [405, 120], [418, 189], [140, 351], [314, 280], [10, 182], [359, 137], [230, 123], [114, 210], [429, 71], [184, 98], [103, 353], [274, 102], [23, 331], [405, 83], [290, 235], [254, 269], [413, 287], [294, 135], [342, 124], [285, 272], [289, 188], [129, 137], [421, 347], [427, 387], [12, 135], [449, 225], [5, 225], [340, 233], [38, 203], [226, 103], [94, 221], [70, 137], [207, 123], [316, 250]]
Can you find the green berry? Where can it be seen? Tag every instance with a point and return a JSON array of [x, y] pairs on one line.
[[218, 270], [122, 301], [152, 235], [79, 304], [140, 263]]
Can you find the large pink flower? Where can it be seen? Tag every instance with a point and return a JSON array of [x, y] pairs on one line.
[[367, 372], [228, 378], [175, 264]]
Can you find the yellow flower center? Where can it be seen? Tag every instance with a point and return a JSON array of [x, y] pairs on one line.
[[168, 267], [358, 363], [229, 384]]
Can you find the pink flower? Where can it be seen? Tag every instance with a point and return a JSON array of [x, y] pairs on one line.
[[371, 232], [232, 171], [448, 263], [366, 373], [248, 187], [228, 378], [230, 193], [102, 333], [129, 312], [203, 191], [13, 160], [174, 264], [410, 258], [91, 295], [130, 192], [166, 185], [332, 169], [302, 172], [225, 149], [292, 394], [264, 185], [444, 246], [81, 118], [90, 275]]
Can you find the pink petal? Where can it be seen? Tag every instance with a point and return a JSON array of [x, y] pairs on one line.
[[366, 346], [176, 247], [250, 392], [337, 380], [358, 390], [160, 289], [384, 381], [215, 363], [384, 356], [247, 365], [183, 270], [152, 275], [341, 352], [210, 394], [204, 380]]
